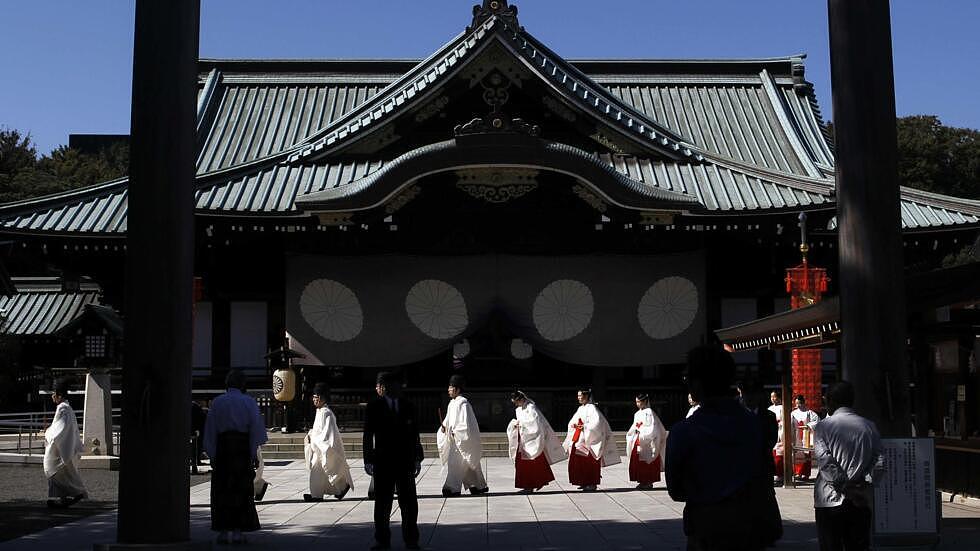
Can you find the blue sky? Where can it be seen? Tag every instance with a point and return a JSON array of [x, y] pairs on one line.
[[67, 64]]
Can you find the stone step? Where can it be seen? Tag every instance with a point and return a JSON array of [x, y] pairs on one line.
[[494, 444]]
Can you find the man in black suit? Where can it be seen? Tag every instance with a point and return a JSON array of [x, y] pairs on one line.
[[753, 398], [393, 456]]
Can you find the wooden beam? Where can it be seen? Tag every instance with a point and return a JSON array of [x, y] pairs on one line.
[[154, 484], [872, 293]]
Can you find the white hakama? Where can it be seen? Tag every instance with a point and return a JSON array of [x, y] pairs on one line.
[[325, 457], [62, 453], [460, 449]]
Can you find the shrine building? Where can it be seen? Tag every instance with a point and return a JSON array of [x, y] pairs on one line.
[[494, 210]]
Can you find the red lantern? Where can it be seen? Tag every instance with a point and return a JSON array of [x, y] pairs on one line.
[[806, 286]]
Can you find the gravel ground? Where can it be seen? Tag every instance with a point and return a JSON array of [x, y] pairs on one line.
[[24, 493]]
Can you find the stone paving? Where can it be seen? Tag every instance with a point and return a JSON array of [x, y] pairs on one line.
[[558, 517]]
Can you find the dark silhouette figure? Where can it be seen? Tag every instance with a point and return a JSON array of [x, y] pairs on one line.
[[393, 456], [754, 399], [715, 463]]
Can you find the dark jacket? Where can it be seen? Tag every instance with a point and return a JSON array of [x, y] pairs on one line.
[[715, 464], [391, 440], [770, 434], [714, 453]]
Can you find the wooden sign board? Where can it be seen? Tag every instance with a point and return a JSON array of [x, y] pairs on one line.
[[906, 506]]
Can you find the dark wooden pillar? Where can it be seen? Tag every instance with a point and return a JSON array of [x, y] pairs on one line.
[[872, 293], [965, 421], [154, 482]]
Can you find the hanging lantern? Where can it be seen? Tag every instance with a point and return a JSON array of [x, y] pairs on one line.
[[806, 285], [284, 384]]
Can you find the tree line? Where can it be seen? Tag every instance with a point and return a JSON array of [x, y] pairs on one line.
[[24, 173]]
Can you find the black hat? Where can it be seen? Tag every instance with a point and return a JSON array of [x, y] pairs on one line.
[[320, 389], [61, 387], [457, 381]]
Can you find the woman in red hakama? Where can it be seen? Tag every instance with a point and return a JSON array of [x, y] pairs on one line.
[[645, 442], [532, 445]]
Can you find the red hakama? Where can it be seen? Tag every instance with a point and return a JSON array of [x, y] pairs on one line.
[[778, 460], [532, 473], [644, 473], [803, 468], [583, 470], [801, 462]]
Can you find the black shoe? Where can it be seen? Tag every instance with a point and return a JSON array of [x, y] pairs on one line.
[[478, 491], [371, 496], [449, 493], [309, 498], [261, 493], [342, 494]]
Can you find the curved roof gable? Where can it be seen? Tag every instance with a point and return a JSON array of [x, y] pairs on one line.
[[568, 82]]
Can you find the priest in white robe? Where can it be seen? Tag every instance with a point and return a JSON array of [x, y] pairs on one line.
[[644, 445], [62, 452], [589, 444], [532, 444], [324, 450], [459, 444]]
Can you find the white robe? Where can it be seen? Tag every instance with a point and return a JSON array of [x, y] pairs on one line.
[[62, 452], [778, 448], [596, 438], [536, 436], [651, 436], [259, 481], [460, 449], [809, 418], [325, 457]]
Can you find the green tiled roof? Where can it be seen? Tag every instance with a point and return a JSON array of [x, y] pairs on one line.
[[741, 136]]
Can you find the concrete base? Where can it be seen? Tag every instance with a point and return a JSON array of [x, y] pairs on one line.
[[178, 546], [961, 499], [22, 459], [104, 462]]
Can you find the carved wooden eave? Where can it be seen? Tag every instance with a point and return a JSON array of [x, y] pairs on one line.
[[510, 147]]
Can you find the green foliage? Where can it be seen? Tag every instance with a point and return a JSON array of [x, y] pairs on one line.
[[23, 174], [937, 158]]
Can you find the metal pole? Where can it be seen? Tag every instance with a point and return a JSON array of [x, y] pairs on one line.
[[154, 484], [872, 289]]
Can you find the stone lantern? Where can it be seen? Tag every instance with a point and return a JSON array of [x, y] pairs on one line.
[[97, 336]]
